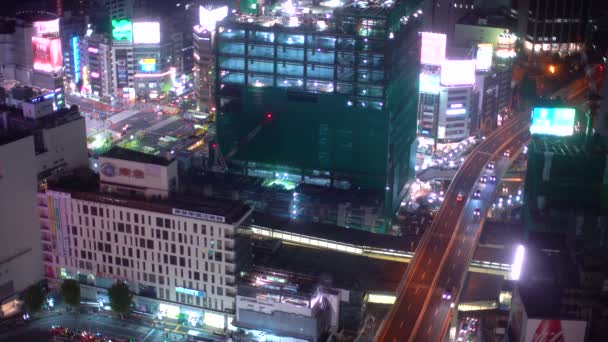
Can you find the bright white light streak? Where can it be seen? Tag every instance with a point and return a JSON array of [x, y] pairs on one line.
[[518, 262]]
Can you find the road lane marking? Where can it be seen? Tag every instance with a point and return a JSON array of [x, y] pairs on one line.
[[464, 238], [409, 306], [429, 262], [453, 266], [401, 325], [428, 332], [423, 274], [459, 252], [436, 311], [148, 335]]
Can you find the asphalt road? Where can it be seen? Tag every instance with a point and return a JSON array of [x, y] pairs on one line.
[[419, 312], [38, 330]]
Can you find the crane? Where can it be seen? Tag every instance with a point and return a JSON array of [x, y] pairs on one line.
[[221, 160]]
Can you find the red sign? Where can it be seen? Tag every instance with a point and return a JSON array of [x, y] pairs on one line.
[[47, 54]]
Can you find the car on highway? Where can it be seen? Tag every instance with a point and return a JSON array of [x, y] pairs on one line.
[[447, 294], [507, 153], [483, 179], [490, 166], [477, 194], [460, 197], [492, 179], [477, 212]]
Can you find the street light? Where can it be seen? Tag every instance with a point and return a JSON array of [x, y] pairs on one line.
[[552, 69]]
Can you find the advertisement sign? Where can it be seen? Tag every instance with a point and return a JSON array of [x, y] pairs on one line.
[[483, 60], [146, 32], [122, 77], [76, 53], [147, 64], [553, 121], [208, 17], [553, 330], [457, 72], [190, 292], [432, 51], [429, 83], [46, 27], [47, 54], [506, 45], [122, 30]]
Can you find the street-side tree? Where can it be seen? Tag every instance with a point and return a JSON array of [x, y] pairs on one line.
[[70, 291], [33, 297], [120, 298]]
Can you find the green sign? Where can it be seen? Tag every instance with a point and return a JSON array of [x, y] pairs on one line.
[[122, 30]]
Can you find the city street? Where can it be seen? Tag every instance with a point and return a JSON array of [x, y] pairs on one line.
[[38, 329]]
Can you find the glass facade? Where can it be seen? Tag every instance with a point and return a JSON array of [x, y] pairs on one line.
[[312, 61], [343, 99]]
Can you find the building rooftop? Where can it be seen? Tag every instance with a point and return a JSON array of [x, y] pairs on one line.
[[328, 15], [481, 287], [332, 232], [341, 270], [84, 184], [17, 122], [136, 156]]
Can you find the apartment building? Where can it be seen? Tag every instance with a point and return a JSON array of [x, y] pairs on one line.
[[178, 255]]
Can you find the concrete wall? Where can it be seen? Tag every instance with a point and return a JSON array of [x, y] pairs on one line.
[[66, 147], [20, 248]]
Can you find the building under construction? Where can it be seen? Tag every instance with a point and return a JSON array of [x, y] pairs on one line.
[[314, 95]]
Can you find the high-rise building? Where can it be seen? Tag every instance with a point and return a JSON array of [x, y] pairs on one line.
[[120, 9], [99, 66], [179, 255], [204, 36], [321, 98], [553, 25], [441, 16], [20, 253], [35, 142]]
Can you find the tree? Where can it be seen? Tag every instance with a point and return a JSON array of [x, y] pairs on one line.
[[33, 297], [120, 298], [70, 291]]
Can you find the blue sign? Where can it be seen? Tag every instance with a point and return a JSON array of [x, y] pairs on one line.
[[76, 53], [108, 170], [190, 292]]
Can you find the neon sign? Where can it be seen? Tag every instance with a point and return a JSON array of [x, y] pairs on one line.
[[122, 30], [47, 54], [76, 53]]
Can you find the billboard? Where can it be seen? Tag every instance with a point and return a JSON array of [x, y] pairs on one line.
[[122, 77], [146, 32], [554, 330], [122, 30], [483, 60], [147, 64], [429, 83], [506, 45], [458, 72], [208, 17], [47, 54], [553, 121], [46, 27], [76, 59], [432, 51]]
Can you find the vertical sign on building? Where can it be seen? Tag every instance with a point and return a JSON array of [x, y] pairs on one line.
[[122, 79], [76, 58]]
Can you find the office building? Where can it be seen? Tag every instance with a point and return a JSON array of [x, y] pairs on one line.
[[99, 67], [553, 26], [35, 142], [59, 136], [204, 63], [119, 9], [320, 98], [20, 254], [441, 16], [178, 255]]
